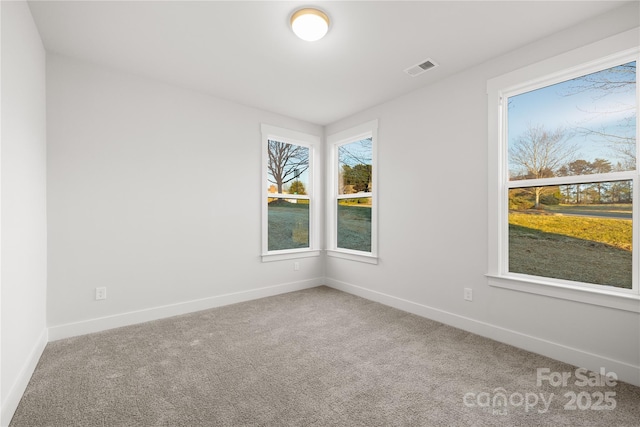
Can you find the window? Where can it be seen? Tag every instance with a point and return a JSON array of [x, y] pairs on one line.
[[564, 178], [289, 207], [352, 209]]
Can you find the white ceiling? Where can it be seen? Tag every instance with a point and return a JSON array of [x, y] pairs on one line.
[[245, 51]]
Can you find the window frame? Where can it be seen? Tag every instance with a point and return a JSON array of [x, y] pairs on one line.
[[334, 141], [312, 142], [609, 52]]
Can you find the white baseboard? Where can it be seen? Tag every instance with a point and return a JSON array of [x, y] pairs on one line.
[[12, 399], [125, 319], [625, 371]]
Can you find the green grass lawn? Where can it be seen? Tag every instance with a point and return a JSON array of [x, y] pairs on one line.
[[289, 226], [583, 249], [614, 232], [354, 227]]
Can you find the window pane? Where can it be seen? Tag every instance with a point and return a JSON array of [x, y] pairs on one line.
[[581, 126], [354, 224], [354, 167], [580, 232], [287, 168], [288, 224]]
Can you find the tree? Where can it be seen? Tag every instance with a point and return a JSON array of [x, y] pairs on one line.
[[359, 176], [355, 159], [580, 167], [540, 153], [286, 162], [601, 166], [297, 187], [615, 80], [621, 192], [598, 192]]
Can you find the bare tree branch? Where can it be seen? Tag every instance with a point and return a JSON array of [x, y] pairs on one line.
[[286, 162], [539, 153], [616, 80]]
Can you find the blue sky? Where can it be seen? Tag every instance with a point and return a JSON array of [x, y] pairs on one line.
[[355, 152], [562, 105]]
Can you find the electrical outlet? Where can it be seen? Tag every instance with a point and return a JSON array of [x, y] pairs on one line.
[[101, 293], [296, 266], [468, 294]]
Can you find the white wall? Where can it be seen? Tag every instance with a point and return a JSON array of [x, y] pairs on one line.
[[23, 203], [154, 193], [434, 142]]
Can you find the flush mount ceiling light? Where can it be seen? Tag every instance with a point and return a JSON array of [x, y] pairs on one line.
[[310, 24]]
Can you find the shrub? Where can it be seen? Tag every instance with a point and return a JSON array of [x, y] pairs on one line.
[[520, 203], [550, 199]]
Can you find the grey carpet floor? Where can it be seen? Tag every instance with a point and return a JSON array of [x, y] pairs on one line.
[[317, 357]]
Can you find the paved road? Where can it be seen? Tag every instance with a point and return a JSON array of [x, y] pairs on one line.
[[595, 214]]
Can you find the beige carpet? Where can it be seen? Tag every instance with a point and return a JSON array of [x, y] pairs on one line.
[[317, 357]]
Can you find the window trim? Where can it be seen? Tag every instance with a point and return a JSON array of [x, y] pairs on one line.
[[364, 130], [312, 142], [614, 50]]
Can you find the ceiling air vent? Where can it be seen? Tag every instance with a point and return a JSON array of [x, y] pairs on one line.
[[418, 69]]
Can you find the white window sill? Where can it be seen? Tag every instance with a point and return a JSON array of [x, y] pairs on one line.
[[353, 256], [285, 255], [620, 300]]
